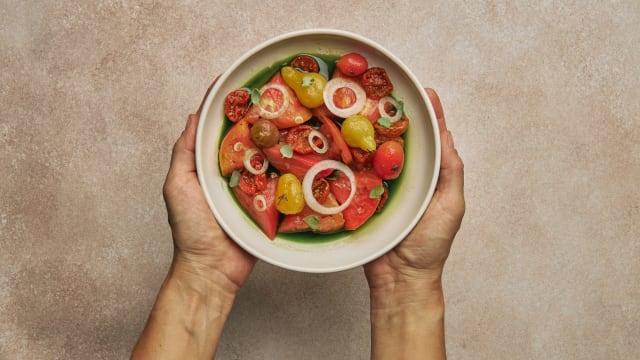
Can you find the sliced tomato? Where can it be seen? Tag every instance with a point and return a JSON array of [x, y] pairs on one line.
[[233, 147], [265, 215], [396, 129], [305, 63], [370, 110], [297, 164], [376, 83], [362, 206], [236, 104], [252, 184], [337, 141], [298, 138], [295, 114], [327, 223]]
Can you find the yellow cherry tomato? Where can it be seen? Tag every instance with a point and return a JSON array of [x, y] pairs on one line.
[[289, 196], [308, 86], [358, 132]]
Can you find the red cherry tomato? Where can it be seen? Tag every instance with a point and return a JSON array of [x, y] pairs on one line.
[[388, 160], [321, 190], [376, 83], [236, 104], [352, 64]]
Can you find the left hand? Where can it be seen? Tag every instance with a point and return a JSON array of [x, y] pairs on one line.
[[201, 246]]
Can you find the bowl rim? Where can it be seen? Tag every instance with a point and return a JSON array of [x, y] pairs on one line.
[[220, 80]]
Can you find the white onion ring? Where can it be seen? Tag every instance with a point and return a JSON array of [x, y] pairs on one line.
[[237, 146], [247, 162], [332, 86], [259, 202], [285, 97], [325, 143], [307, 186], [383, 111]]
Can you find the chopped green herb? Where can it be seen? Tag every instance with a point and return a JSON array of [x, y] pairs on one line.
[[384, 122], [255, 96], [400, 106], [307, 81], [286, 151], [376, 192], [235, 179], [313, 221]]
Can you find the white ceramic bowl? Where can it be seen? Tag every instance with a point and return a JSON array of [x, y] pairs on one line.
[[346, 249]]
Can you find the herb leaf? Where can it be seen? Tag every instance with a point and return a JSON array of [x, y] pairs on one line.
[[376, 192], [384, 122], [235, 179], [286, 151], [307, 81], [255, 96], [313, 221]]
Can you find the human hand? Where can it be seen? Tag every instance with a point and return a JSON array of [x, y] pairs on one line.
[[201, 246], [419, 259]]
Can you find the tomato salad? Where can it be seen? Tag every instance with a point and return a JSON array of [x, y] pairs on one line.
[[313, 151]]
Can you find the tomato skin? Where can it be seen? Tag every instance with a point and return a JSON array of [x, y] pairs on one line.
[[289, 197], [395, 130], [352, 64], [252, 184], [236, 104], [362, 206], [264, 133], [233, 147], [267, 219], [305, 63], [298, 139], [376, 83], [388, 160]]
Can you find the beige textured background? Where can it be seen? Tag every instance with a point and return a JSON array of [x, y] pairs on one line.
[[543, 102]]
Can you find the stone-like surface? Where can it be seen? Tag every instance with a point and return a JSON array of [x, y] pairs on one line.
[[542, 101]]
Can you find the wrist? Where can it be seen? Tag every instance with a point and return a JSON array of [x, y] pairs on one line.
[[201, 278]]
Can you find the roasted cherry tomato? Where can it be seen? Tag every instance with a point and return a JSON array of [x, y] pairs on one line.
[[320, 189], [252, 184], [376, 83], [352, 64], [305, 63], [264, 133], [394, 130], [236, 104], [388, 160], [289, 196], [298, 139]]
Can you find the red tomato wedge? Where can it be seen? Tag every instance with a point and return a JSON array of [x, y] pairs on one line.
[[264, 214], [337, 141], [297, 164], [362, 206], [370, 110], [327, 223], [295, 114], [233, 147]]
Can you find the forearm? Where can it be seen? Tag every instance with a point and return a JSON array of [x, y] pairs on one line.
[[187, 319], [407, 322]]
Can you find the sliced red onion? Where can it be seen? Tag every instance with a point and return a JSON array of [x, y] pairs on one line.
[[383, 111], [333, 85], [259, 202], [325, 143], [247, 162], [285, 97], [307, 186]]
